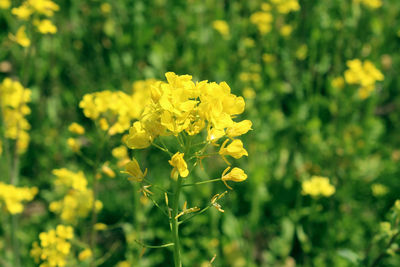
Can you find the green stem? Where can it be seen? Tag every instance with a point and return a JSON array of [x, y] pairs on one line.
[[175, 224], [204, 182]]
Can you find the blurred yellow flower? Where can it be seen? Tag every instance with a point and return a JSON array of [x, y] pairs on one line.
[[364, 74], [73, 144], [222, 27], [22, 12], [338, 82], [76, 128], [105, 8], [46, 26], [54, 246], [379, 190], [105, 168], [286, 30], [5, 4], [370, 3], [85, 254], [317, 186], [20, 37], [11, 197]]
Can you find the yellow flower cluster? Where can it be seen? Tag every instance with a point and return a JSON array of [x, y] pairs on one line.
[[13, 106], [114, 111], [181, 106], [317, 186], [263, 19], [78, 200], [54, 247], [363, 74], [370, 3], [12, 197], [35, 10]]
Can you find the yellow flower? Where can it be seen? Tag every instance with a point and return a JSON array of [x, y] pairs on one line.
[[239, 128], [66, 232], [364, 74], [76, 128], [178, 162], [74, 144], [138, 138], [5, 4], [338, 82], [286, 30], [13, 197], [104, 124], [235, 175], [317, 186], [222, 27], [85, 254], [370, 3], [20, 37], [234, 149], [134, 170], [107, 170], [105, 8], [268, 58], [23, 12], [263, 20], [46, 26], [45, 7], [100, 226]]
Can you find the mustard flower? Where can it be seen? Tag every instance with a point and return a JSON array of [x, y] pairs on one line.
[[46, 27], [134, 170], [20, 37], [179, 164], [234, 149], [222, 27], [235, 175], [317, 186], [76, 128]]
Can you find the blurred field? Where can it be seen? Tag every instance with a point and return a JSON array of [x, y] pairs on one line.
[[320, 80]]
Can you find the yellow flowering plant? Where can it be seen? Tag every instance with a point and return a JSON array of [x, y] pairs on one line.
[[199, 117]]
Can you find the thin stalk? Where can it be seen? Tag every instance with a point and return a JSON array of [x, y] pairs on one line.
[[175, 224], [204, 182]]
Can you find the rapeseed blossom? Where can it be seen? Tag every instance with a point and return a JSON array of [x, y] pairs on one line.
[[13, 106], [114, 111], [182, 107], [179, 164], [364, 74], [317, 186], [12, 197], [20, 37], [222, 27], [264, 18], [54, 247], [78, 198], [34, 9]]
